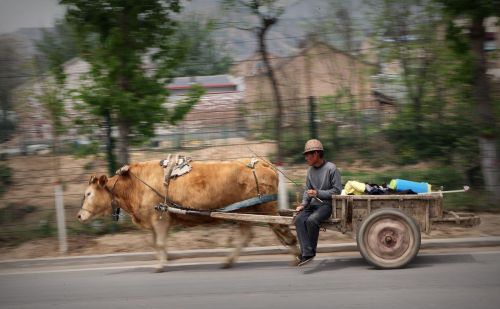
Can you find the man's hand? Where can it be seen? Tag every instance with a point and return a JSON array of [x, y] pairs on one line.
[[299, 208], [312, 193]]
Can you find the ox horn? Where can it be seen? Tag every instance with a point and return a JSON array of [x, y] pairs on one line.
[[92, 180]]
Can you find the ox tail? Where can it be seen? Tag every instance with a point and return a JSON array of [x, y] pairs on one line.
[[284, 234], [287, 238]]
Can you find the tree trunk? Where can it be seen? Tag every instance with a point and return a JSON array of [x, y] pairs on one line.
[[4, 126], [484, 108], [276, 92], [123, 82], [110, 145], [123, 155]]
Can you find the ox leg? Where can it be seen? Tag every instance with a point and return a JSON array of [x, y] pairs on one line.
[[246, 235], [287, 238], [160, 231]]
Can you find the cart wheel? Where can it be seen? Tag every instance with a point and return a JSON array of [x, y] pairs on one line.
[[388, 238]]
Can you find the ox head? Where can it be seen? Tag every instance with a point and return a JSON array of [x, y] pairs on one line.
[[97, 199]]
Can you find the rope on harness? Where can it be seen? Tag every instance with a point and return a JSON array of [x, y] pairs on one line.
[[251, 165], [115, 210], [153, 189]]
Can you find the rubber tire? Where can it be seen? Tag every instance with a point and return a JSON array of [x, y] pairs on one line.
[[397, 214]]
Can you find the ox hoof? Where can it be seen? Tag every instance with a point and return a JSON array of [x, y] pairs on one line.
[[295, 261], [159, 270], [227, 265]]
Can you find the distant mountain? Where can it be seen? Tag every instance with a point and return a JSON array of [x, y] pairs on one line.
[[300, 18], [24, 40], [283, 39]]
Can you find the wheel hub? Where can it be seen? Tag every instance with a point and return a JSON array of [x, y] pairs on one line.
[[389, 238]]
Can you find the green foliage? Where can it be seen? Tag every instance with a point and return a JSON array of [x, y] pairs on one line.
[[14, 233], [12, 70], [438, 139], [7, 127], [84, 150], [101, 227], [55, 48], [205, 55], [133, 52], [445, 176], [462, 37], [472, 8], [293, 147], [52, 99], [5, 178], [13, 212], [436, 119], [184, 105]]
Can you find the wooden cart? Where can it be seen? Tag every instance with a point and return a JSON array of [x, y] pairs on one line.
[[387, 228]]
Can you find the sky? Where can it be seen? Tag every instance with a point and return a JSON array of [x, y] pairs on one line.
[[15, 14]]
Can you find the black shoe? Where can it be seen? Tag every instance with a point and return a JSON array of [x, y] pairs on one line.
[[305, 260]]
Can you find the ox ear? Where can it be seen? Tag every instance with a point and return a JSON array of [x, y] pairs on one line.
[[103, 180], [92, 179]]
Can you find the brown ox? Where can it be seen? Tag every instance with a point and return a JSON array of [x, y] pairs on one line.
[[210, 185]]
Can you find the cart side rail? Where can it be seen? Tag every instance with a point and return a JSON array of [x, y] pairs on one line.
[[353, 209]]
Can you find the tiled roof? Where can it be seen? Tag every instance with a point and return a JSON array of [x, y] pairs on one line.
[[206, 81]]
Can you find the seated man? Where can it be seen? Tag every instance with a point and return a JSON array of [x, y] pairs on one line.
[[323, 181]]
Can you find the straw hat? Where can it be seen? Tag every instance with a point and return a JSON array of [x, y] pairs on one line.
[[313, 145]]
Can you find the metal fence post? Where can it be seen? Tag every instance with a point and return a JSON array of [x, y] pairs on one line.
[[61, 219], [282, 191], [312, 118]]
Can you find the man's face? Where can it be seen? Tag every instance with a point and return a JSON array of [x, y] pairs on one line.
[[312, 158]]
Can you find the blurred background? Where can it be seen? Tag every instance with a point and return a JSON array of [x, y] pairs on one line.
[[394, 89]]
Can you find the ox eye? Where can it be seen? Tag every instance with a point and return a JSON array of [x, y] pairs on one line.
[[88, 193]]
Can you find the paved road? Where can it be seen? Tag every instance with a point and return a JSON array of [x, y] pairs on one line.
[[460, 280]]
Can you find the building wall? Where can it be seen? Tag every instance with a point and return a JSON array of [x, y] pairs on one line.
[[317, 71]]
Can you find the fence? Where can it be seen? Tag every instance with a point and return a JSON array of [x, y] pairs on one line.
[[354, 139]]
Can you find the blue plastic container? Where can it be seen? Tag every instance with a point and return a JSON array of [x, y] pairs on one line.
[[399, 185]]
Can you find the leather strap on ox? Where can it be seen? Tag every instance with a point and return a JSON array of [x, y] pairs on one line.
[[249, 203], [229, 208], [115, 210]]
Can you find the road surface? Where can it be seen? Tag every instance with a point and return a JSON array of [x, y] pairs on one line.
[[458, 280]]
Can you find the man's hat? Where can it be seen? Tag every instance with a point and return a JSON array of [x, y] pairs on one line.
[[313, 145]]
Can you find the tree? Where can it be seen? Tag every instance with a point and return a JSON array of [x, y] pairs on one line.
[[406, 31], [132, 52], [469, 40], [11, 75], [54, 49], [205, 54], [267, 14], [337, 27]]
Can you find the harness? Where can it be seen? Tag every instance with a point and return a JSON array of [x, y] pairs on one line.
[[115, 210], [170, 206], [252, 166]]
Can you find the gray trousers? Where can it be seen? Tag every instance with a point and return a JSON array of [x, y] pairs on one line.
[[307, 224]]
